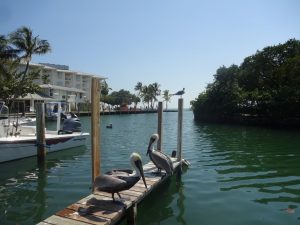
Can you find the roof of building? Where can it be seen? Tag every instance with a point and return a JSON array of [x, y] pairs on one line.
[[63, 68], [37, 96], [61, 88]]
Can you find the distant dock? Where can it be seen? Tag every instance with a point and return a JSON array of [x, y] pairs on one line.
[[115, 112], [124, 112]]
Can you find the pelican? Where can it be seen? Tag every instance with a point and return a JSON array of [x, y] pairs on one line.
[[160, 160], [120, 180]]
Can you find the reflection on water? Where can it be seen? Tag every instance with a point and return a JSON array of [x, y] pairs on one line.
[[23, 196], [238, 175], [253, 165], [160, 204], [263, 160]]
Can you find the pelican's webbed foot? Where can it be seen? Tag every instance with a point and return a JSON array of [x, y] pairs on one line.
[[158, 172], [119, 195]]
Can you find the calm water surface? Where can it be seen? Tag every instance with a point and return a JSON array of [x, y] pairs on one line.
[[238, 175]]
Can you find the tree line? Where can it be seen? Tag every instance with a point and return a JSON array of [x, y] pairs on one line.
[[146, 94], [266, 84]]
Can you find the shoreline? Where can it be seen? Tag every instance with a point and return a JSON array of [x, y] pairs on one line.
[[116, 112]]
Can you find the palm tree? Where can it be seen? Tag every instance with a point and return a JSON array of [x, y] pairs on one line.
[[6, 51], [144, 93], [154, 91], [7, 54], [167, 97], [27, 45], [138, 87]]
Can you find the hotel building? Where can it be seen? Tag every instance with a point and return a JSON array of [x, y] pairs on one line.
[[58, 83]]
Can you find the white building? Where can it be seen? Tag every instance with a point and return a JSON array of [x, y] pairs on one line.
[[61, 84]]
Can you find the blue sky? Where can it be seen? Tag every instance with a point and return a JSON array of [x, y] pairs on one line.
[[175, 43]]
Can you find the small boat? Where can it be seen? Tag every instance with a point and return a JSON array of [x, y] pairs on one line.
[[109, 126], [18, 142]]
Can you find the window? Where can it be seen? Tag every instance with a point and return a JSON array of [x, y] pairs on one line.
[[59, 75]]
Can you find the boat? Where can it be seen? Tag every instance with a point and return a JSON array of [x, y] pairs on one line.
[[6, 118], [52, 109], [17, 142]]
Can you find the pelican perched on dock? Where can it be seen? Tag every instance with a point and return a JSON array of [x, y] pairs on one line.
[[120, 180], [160, 160]]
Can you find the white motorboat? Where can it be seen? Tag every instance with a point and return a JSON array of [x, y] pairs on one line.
[[18, 142]]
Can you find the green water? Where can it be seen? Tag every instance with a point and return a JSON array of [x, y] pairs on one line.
[[238, 175]]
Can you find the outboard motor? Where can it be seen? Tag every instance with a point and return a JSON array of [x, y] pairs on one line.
[[70, 125]]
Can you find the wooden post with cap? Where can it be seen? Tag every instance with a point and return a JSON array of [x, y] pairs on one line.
[[179, 134], [159, 125], [95, 125]]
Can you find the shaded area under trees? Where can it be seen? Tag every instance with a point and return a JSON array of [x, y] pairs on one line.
[[264, 89]]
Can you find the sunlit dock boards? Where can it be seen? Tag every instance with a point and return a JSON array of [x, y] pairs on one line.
[[98, 208]]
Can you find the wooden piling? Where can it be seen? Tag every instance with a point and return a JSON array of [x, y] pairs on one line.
[[159, 125], [40, 131], [95, 120], [58, 116], [132, 214], [179, 132]]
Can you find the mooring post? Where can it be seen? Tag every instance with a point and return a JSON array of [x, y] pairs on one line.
[[131, 214], [58, 116], [159, 125], [40, 132], [95, 120], [179, 132]]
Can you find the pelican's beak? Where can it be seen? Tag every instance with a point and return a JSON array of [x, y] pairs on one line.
[[150, 144], [139, 165]]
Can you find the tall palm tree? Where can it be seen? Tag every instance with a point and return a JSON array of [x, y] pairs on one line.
[[138, 87], [154, 91], [27, 45], [167, 97]]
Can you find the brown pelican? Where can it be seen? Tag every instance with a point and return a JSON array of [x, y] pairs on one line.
[[160, 160], [120, 180]]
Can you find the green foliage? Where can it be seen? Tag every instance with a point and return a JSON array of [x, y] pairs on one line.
[[15, 49], [148, 93], [104, 88], [121, 97], [167, 97], [265, 84]]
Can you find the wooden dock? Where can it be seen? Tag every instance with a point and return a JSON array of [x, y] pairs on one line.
[[98, 208]]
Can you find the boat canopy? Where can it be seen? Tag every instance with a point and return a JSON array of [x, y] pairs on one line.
[[3, 111]]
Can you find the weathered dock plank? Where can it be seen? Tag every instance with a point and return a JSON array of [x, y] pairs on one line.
[[98, 208], [57, 220]]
